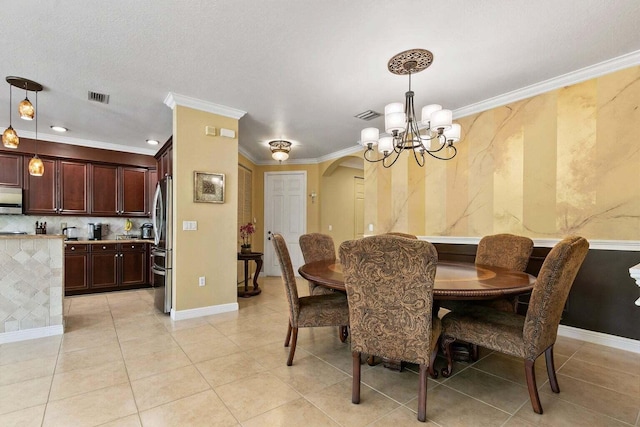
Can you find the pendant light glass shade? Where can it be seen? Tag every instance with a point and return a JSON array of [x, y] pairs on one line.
[[26, 110], [10, 138], [36, 167]]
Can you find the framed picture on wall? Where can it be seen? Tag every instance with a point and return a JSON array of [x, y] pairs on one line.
[[208, 187]]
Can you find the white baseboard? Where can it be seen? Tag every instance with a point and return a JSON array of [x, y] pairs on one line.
[[29, 334], [600, 338], [203, 311]]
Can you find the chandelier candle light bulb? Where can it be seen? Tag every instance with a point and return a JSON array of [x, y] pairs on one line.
[[404, 130]]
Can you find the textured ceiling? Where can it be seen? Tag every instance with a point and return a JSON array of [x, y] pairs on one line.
[[300, 69]]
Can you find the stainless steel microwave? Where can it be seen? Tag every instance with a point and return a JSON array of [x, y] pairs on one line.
[[10, 200]]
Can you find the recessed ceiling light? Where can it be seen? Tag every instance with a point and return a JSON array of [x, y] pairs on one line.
[[59, 128], [152, 141]]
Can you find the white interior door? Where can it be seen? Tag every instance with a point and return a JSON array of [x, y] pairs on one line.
[[285, 212]]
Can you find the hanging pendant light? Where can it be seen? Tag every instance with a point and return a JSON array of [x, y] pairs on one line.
[[9, 136], [25, 108], [36, 167]]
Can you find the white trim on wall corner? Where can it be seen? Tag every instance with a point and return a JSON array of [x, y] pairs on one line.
[[203, 311], [609, 245], [607, 340], [172, 99], [29, 334]]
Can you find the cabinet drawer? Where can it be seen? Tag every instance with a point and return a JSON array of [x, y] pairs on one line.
[[103, 247], [75, 248], [132, 247]]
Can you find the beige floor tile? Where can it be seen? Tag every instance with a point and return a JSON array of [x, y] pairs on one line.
[[168, 386], [129, 421], [91, 320], [196, 334], [309, 374], [81, 339], [402, 416], [152, 364], [176, 325], [599, 399], [226, 369], [609, 358], [512, 368], [91, 409], [134, 331], [14, 397], [490, 389], [255, 395], [141, 321], [128, 309], [210, 349], [448, 407], [31, 349], [84, 380], [88, 357], [335, 401], [29, 417], [253, 339], [146, 346], [202, 409], [566, 346], [295, 413], [275, 354], [623, 382], [557, 412], [399, 386], [27, 370]]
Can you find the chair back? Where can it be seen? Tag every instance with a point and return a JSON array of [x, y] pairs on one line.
[[399, 234], [288, 276], [317, 247], [550, 294], [505, 250], [389, 282]]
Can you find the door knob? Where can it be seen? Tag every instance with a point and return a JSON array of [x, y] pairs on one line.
[[269, 237]]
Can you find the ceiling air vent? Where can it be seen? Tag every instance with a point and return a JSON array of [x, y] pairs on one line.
[[367, 115], [98, 97]]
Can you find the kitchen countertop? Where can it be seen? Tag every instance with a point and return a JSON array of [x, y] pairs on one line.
[[31, 236], [97, 242]]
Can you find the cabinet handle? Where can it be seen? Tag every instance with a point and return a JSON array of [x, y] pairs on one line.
[[73, 248], [133, 246], [104, 247]]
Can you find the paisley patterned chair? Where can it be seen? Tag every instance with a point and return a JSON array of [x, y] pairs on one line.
[[405, 235], [389, 282], [317, 247], [524, 336], [306, 312]]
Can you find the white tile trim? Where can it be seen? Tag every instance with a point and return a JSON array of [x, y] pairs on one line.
[[29, 334], [203, 311], [613, 341]]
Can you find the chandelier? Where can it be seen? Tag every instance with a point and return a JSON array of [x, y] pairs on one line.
[[433, 135]]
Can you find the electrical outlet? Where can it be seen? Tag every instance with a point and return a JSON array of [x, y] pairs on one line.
[[330, 227], [201, 281], [370, 227]]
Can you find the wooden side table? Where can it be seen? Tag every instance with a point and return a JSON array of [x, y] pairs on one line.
[[253, 256]]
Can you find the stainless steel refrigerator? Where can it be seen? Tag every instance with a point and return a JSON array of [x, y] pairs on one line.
[[162, 251]]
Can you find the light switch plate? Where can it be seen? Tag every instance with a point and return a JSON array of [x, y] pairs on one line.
[[189, 225]]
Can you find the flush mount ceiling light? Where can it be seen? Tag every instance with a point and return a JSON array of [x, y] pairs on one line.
[[153, 141], [59, 128], [434, 135], [10, 137], [280, 149]]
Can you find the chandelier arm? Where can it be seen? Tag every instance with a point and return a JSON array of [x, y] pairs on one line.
[[373, 160], [392, 162], [455, 151], [420, 160]]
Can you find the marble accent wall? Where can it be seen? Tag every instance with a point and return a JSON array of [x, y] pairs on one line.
[[563, 162], [31, 282]]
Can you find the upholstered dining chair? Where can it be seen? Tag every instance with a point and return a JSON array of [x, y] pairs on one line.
[[524, 336], [306, 312], [399, 234], [389, 282], [317, 247]]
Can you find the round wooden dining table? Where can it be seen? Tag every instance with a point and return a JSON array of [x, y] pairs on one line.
[[454, 280]]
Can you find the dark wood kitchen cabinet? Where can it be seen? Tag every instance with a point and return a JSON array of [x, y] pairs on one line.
[[133, 264], [119, 190], [104, 266], [117, 266], [62, 189], [76, 267], [10, 170]]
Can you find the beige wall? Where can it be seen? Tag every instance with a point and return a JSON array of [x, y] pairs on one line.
[[564, 162], [211, 250]]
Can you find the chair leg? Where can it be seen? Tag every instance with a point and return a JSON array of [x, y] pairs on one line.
[[551, 369], [529, 370], [432, 360], [422, 394], [448, 351], [343, 333], [355, 385], [292, 350], [286, 340]]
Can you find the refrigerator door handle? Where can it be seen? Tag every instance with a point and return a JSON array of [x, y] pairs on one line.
[[156, 220], [159, 272]]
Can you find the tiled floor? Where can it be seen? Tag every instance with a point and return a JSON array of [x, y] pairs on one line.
[[121, 363]]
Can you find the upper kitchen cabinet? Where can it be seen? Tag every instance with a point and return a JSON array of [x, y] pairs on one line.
[[62, 189], [10, 170], [119, 190], [165, 159]]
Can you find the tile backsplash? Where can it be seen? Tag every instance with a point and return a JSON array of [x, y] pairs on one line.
[[54, 224]]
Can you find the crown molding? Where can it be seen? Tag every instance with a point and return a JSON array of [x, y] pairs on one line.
[[88, 143], [577, 76], [172, 99], [342, 153]]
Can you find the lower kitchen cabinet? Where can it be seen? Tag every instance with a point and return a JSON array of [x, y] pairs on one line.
[[102, 267]]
